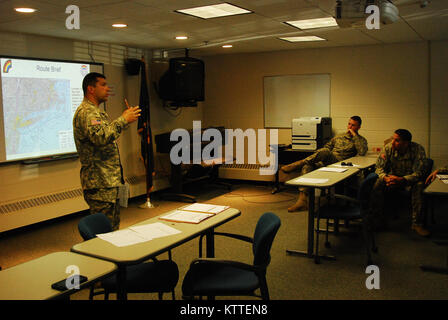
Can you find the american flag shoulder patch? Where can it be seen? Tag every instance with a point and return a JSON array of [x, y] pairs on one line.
[[94, 122]]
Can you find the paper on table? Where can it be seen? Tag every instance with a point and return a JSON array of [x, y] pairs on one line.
[[341, 166], [332, 169], [204, 207], [311, 180], [155, 230], [443, 177], [122, 238], [186, 216], [137, 234]]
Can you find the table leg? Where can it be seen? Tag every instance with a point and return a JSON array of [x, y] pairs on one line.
[[276, 187], [121, 283], [176, 181], [210, 249], [210, 243], [431, 210], [311, 200], [310, 247]]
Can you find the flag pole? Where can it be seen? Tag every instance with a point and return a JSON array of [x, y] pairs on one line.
[[146, 137], [147, 204]]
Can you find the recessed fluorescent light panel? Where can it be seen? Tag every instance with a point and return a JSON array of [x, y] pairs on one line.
[[119, 25], [313, 23], [304, 38], [25, 10], [214, 11], [227, 46], [181, 38]]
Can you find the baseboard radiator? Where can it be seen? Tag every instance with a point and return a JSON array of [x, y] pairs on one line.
[[22, 212], [243, 172], [48, 199], [39, 201]]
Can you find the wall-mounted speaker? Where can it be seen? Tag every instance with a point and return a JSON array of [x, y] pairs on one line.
[[132, 66]]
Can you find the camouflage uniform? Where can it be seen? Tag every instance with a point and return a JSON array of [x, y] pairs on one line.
[[101, 172], [410, 166], [339, 148]]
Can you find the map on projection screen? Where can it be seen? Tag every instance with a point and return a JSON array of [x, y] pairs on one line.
[[38, 100]]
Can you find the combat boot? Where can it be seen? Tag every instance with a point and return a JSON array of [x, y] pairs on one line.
[[420, 230], [301, 204], [293, 166]]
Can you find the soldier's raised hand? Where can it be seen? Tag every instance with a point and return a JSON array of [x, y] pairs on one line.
[[131, 114]]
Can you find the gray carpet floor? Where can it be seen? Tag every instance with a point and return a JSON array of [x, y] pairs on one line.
[[290, 277]]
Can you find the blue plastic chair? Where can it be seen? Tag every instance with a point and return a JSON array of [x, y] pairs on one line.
[[353, 209], [213, 277]]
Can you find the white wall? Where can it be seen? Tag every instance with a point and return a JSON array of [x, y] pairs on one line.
[[439, 102], [387, 85]]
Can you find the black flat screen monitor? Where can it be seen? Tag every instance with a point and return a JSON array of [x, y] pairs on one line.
[[183, 82]]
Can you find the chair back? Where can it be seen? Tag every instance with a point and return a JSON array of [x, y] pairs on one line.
[[365, 189], [265, 231], [93, 224]]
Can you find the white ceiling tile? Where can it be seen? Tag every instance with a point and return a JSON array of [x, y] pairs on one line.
[[154, 24], [391, 33], [176, 4], [437, 30], [344, 37], [84, 3]]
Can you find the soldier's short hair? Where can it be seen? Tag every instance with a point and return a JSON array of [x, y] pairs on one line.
[[90, 80], [357, 119], [404, 134]]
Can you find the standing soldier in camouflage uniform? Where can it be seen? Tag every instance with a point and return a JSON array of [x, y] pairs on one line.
[[400, 166], [95, 138], [339, 148]]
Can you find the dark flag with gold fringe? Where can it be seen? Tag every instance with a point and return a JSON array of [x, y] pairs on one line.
[[144, 129]]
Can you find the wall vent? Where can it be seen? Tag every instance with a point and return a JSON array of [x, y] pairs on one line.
[[243, 172], [40, 201], [242, 166]]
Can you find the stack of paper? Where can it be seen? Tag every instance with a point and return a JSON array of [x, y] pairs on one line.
[[340, 165], [154, 230], [204, 207], [123, 238], [187, 216], [443, 177], [311, 180], [138, 234], [330, 169]]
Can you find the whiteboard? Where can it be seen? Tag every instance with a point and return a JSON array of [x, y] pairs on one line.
[[293, 96]]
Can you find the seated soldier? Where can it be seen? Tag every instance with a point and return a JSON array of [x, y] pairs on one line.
[[341, 147], [400, 166]]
